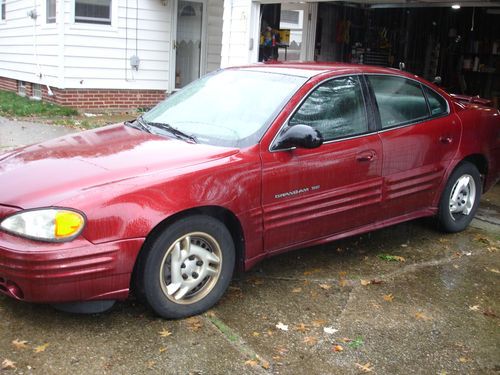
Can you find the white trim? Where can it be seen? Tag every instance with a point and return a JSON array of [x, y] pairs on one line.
[[254, 32]]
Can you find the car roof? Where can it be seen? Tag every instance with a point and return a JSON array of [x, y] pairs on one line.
[[311, 69]]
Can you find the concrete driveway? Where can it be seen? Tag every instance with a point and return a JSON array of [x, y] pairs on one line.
[[403, 300]]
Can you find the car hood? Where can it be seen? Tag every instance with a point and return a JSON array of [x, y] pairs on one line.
[[48, 172]]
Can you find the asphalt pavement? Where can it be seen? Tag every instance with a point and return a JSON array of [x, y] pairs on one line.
[[403, 300]]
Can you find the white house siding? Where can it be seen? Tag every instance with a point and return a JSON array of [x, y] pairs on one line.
[[97, 56], [28, 48], [236, 32], [215, 10]]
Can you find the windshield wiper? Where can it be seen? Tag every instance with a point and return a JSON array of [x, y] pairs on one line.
[[176, 132], [139, 123]]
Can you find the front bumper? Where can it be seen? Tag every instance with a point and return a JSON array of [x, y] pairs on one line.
[[66, 272]]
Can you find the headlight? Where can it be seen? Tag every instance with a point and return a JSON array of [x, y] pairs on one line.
[[48, 224]]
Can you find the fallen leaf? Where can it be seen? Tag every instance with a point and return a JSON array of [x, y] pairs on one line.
[[464, 360], [391, 258], [265, 365], [165, 333], [372, 282], [194, 323], [404, 245], [494, 270], [312, 271], [346, 339], [251, 362], [162, 350], [388, 297], [41, 348], [296, 290], [367, 367], [301, 327], [318, 322], [7, 364], [20, 344], [492, 249], [337, 348], [489, 312], [282, 326], [474, 308], [330, 330], [421, 316], [150, 365], [310, 340], [270, 332], [258, 282], [325, 286], [444, 240], [255, 334], [456, 266], [482, 239]]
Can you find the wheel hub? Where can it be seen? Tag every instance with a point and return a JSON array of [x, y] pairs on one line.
[[190, 268], [462, 196]]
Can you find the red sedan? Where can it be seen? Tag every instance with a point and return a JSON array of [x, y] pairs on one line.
[[242, 164]]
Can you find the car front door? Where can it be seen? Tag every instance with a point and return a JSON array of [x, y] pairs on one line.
[[310, 194], [419, 138]]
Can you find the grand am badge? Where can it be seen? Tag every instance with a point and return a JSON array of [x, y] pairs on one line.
[[296, 192]]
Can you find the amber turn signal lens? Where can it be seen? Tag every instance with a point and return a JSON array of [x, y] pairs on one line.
[[67, 223]]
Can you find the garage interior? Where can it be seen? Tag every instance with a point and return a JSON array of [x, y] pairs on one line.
[[458, 41]]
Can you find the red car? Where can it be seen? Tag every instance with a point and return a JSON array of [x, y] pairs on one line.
[[242, 164]]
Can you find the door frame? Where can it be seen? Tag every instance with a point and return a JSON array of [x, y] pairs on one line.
[[173, 40], [309, 27]]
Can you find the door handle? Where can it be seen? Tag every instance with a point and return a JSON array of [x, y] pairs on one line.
[[365, 156], [445, 140]]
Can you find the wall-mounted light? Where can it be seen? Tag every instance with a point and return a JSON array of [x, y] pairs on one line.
[[455, 6]]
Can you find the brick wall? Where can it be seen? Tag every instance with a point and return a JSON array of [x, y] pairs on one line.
[[92, 98]]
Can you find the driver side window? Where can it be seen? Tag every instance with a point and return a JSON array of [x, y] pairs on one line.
[[336, 109]]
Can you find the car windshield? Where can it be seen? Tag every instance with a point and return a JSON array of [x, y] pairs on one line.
[[230, 108]]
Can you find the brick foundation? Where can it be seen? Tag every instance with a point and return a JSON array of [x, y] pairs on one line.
[[92, 98]]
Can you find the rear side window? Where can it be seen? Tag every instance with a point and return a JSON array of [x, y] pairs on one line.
[[437, 103], [400, 101], [336, 109]]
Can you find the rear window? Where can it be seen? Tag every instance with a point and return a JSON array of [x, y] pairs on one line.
[[400, 101]]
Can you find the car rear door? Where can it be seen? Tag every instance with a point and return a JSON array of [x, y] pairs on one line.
[[310, 194], [419, 138]]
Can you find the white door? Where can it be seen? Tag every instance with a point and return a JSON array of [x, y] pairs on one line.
[[301, 20], [190, 42]]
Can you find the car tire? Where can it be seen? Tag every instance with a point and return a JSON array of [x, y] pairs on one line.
[[460, 198], [188, 267]]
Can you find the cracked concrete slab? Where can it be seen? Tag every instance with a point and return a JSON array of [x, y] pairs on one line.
[[436, 312]]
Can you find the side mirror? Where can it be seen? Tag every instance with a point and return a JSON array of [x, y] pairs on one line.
[[298, 136], [437, 80]]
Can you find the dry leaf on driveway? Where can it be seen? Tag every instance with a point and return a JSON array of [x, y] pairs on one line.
[[421, 316], [325, 286], [337, 348], [194, 323], [388, 297], [7, 364], [301, 327], [310, 340], [20, 344], [367, 367], [165, 332], [41, 348]]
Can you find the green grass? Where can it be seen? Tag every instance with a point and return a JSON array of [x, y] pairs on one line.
[[356, 343], [12, 104]]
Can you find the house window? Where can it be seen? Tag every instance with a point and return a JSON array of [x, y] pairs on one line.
[[2, 11], [51, 11], [21, 88], [93, 11], [37, 91]]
